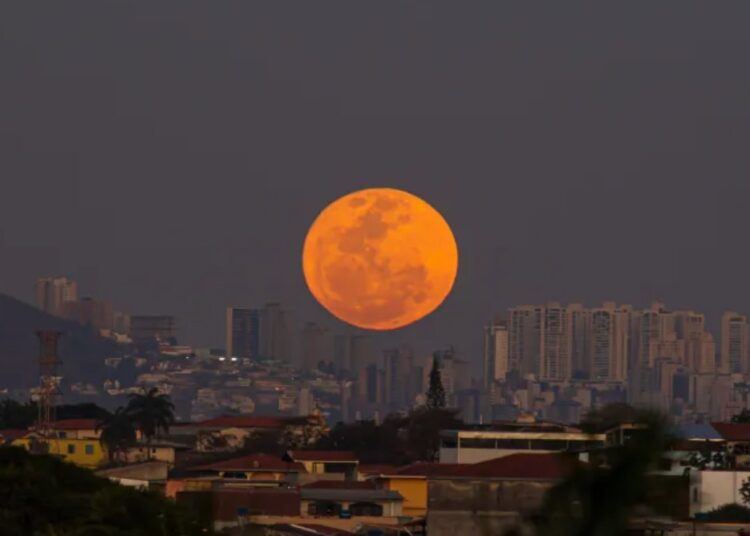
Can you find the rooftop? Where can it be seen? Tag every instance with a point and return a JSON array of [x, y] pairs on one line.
[[546, 466], [353, 495], [341, 456], [340, 484], [732, 431], [254, 462]]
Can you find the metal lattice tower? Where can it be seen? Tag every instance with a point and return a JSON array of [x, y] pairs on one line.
[[49, 382]]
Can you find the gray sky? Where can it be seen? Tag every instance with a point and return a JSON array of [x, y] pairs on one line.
[[171, 155]]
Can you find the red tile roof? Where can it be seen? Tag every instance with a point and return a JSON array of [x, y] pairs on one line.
[[323, 456], [75, 424], [341, 484], [548, 466], [428, 469], [258, 501], [730, 431], [9, 435], [377, 469], [255, 462], [243, 421]]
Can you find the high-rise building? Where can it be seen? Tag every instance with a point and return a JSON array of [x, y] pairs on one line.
[[495, 361], [555, 353], [53, 292], [274, 339], [578, 323], [91, 312], [397, 371], [243, 332], [342, 353], [150, 328], [734, 343], [317, 346], [361, 353], [525, 338], [608, 334]]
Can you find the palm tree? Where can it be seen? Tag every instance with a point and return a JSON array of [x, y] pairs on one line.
[[118, 431], [151, 412]]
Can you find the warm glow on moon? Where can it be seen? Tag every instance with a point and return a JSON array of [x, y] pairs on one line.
[[380, 258]]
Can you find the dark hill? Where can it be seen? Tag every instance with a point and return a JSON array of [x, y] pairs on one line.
[[81, 349]]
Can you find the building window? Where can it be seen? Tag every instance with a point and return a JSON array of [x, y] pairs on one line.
[[695, 495], [477, 443], [89, 449], [71, 449]]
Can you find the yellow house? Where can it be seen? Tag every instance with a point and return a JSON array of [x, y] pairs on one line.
[[84, 452], [411, 483]]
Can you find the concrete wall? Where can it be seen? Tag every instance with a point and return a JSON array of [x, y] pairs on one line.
[[469, 455], [711, 489], [480, 506]]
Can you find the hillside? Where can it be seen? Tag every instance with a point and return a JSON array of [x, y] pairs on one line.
[[81, 349]]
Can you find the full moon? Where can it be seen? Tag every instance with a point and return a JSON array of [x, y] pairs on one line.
[[380, 258]]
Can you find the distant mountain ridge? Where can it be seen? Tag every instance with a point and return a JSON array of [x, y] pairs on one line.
[[82, 350]]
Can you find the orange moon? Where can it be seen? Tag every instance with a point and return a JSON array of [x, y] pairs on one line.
[[380, 258]]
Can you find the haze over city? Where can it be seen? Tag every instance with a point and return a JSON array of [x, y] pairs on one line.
[[177, 172]]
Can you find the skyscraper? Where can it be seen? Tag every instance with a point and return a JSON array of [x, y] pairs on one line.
[[608, 335], [495, 362], [734, 343], [242, 332], [274, 339], [317, 346], [525, 338], [578, 323], [555, 352], [53, 292], [89, 311]]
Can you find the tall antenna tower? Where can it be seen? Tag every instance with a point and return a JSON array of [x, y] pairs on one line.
[[49, 382]]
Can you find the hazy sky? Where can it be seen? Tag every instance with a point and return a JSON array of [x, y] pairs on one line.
[[171, 155]]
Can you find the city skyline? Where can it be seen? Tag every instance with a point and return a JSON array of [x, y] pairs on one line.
[[209, 206]]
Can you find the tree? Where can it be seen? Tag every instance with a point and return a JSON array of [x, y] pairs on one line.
[[423, 431], [745, 491], [13, 414], [729, 513], [742, 417], [599, 499], [602, 419], [151, 412], [43, 495], [436, 393], [118, 432]]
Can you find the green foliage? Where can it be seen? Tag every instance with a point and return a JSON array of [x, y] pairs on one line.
[[602, 419], [14, 414], [436, 392], [151, 412], [118, 432], [19, 415], [42, 495], [399, 439], [599, 500], [742, 417], [745, 491], [729, 513]]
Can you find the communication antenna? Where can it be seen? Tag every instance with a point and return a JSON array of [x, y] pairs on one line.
[[49, 382]]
